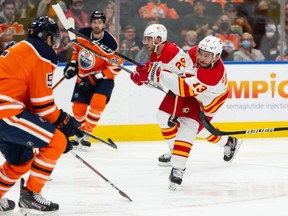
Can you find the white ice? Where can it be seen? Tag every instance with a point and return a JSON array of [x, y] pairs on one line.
[[255, 183]]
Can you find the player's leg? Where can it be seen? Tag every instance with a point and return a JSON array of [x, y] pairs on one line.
[[27, 132], [182, 146], [229, 144], [169, 134]]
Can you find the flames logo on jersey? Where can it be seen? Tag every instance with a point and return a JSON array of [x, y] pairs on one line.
[[86, 59]]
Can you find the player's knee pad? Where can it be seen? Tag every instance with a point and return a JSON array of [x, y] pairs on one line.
[[163, 119], [98, 102]]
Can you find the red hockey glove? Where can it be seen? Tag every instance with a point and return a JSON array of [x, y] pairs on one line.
[[144, 72], [136, 78]]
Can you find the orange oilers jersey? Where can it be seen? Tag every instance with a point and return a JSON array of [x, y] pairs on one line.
[[208, 86], [90, 63], [160, 11], [26, 73]]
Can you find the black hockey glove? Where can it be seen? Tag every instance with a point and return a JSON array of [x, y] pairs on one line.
[[68, 125], [69, 146], [88, 82], [71, 69]]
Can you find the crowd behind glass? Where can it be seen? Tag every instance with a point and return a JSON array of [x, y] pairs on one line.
[[251, 30]]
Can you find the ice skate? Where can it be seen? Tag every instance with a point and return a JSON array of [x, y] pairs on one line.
[[165, 160], [231, 148], [6, 205], [175, 178], [75, 141], [84, 143], [31, 203]]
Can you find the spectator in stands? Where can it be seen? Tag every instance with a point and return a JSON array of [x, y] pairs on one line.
[[45, 8], [76, 11], [5, 38], [9, 12], [182, 7], [90, 6], [190, 40], [247, 51], [64, 52], [231, 41], [223, 2], [197, 21], [154, 8], [130, 45], [285, 52], [269, 42], [11, 21], [239, 24], [109, 11], [26, 9], [143, 55]]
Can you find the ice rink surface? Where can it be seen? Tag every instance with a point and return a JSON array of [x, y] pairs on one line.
[[255, 183]]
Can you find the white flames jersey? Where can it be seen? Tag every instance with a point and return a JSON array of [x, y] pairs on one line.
[[172, 58], [208, 86]]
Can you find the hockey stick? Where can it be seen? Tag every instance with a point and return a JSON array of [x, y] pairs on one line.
[[98, 173], [217, 132], [58, 10], [58, 82], [110, 142]]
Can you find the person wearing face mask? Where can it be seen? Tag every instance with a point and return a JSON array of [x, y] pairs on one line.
[[269, 42], [231, 41], [76, 12], [247, 51]]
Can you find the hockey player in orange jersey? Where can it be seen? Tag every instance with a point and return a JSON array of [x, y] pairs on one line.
[[199, 82], [29, 118], [95, 76]]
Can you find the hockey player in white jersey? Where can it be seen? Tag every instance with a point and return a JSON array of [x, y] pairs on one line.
[[203, 86]]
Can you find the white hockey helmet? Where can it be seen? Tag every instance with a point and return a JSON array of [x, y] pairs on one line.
[[154, 31], [212, 44]]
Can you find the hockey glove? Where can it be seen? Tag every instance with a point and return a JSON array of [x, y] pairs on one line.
[[88, 82], [145, 72], [68, 125], [70, 70], [69, 146]]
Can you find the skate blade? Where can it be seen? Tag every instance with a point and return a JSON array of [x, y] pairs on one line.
[[32, 212], [83, 148], [173, 186], [236, 150], [164, 164]]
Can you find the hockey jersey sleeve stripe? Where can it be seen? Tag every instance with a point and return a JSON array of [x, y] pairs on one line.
[[46, 112], [30, 128], [42, 99], [10, 106], [44, 105], [9, 99], [184, 89], [216, 103]]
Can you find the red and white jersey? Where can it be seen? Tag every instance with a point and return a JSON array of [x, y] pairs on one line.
[[207, 85], [172, 58]]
